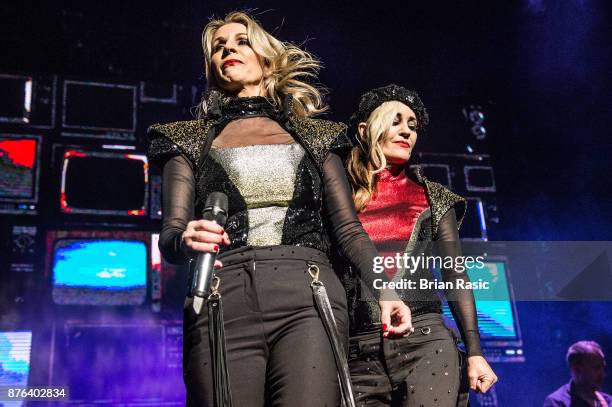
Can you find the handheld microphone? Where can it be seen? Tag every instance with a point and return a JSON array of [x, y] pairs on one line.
[[215, 210]]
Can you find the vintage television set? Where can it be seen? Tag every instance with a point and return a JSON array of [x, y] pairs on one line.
[[28, 101], [496, 311], [19, 173], [136, 363], [440, 173], [15, 353], [470, 176], [479, 178], [159, 93], [99, 110], [108, 182], [98, 267], [106, 286], [16, 104]]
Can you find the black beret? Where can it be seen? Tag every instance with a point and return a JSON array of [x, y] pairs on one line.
[[372, 99]]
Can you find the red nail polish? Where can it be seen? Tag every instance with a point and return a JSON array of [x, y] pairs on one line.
[[216, 248], [384, 327]]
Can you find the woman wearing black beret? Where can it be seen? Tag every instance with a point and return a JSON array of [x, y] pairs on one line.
[[402, 211]]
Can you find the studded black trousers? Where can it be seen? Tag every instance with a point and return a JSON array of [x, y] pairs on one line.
[[277, 349], [422, 369]]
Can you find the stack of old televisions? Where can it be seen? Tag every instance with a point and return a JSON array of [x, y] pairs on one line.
[[82, 277], [472, 177]]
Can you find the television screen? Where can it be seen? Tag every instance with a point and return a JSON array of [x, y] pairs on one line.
[[479, 178], [19, 168], [16, 101], [494, 306], [98, 268], [104, 183], [99, 106], [15, 348], [439, 173], [120, 362], [158, 93]]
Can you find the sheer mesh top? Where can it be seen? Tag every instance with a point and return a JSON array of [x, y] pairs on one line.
[[252, 131]]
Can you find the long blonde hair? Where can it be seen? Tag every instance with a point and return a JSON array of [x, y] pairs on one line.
[[288, 67], [367, 159]]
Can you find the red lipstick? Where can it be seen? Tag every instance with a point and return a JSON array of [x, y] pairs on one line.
[[404, 144], [231, 62]]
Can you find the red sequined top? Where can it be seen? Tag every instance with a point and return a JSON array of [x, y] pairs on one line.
[[391, 214], [390, 218]]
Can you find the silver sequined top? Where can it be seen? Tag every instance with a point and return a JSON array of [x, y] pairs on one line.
[[265, 177]]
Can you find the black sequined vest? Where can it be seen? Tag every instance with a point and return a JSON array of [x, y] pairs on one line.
[[274, 191]]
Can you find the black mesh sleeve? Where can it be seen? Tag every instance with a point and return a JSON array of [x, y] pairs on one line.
[[346, 228], [178, 197], [460, 301]]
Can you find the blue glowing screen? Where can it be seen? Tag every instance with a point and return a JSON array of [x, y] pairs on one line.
[[15, 350], [496, 319], [99, 272]]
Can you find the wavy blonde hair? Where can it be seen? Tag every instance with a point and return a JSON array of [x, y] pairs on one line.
[[287, 68], [367, 159]]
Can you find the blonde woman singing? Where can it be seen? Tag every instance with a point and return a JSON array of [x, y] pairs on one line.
[[289, 199]]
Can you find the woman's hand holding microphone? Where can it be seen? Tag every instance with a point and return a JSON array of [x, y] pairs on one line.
[[203, 236]]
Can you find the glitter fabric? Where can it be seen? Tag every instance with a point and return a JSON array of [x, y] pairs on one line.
[[297, 188], [391, 215], [266, 226], [441, 199], [304, 221], [186, 137], [317, 136], [265, 176], [314, 134]]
